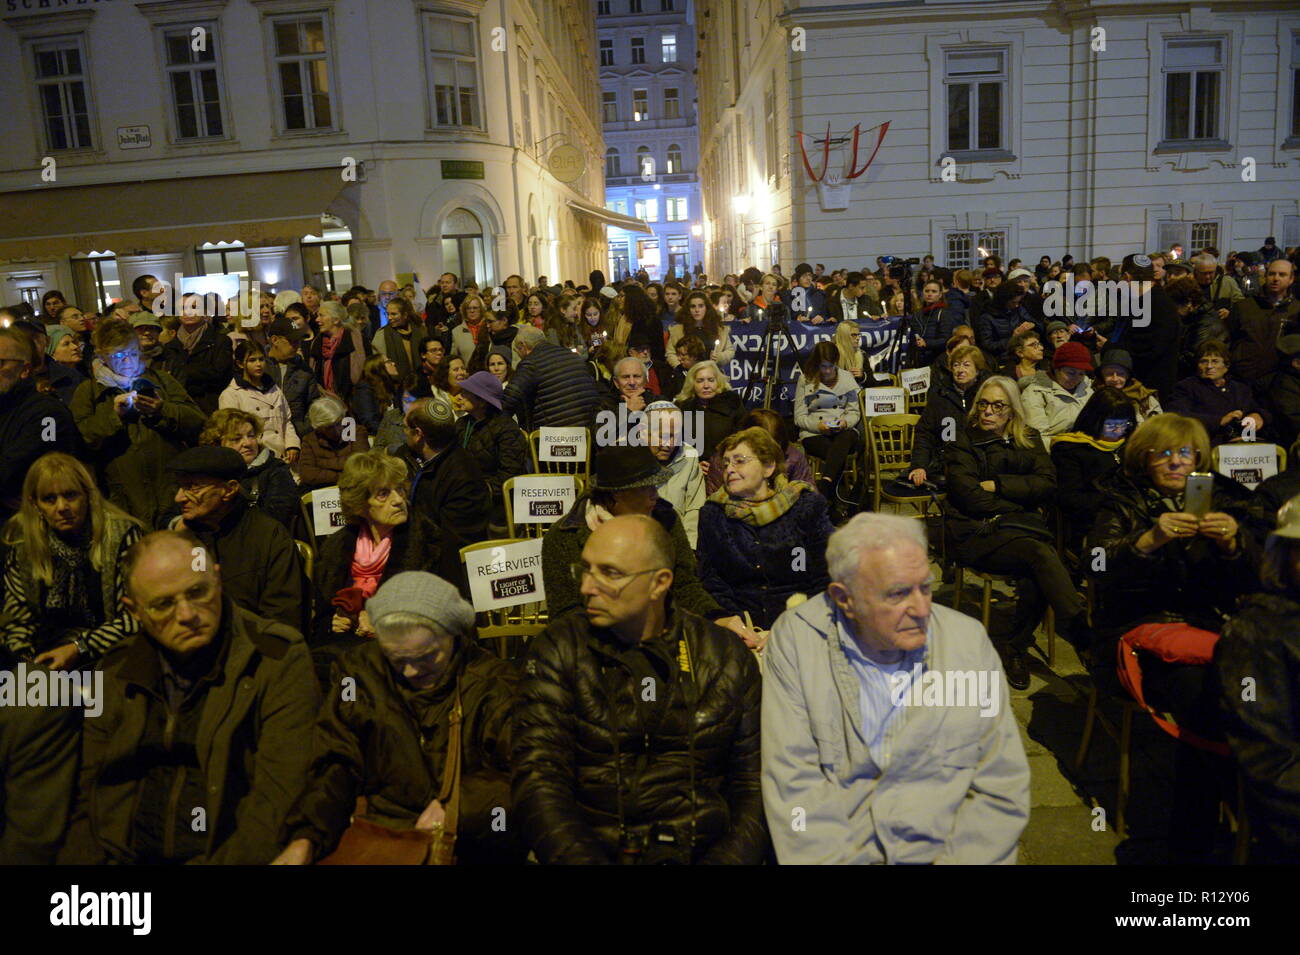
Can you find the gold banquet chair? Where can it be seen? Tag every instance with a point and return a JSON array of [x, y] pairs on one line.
[[509, 627], [523, 530], [581, 469]]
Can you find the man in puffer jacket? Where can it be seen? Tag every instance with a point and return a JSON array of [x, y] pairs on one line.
[[1004, 317], [1051, 406], [551, 386], [636, 733]]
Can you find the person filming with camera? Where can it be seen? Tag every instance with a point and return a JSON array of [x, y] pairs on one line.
[[636, 737]]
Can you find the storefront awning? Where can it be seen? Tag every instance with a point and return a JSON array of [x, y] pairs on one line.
[[631, 223], [162, 215]]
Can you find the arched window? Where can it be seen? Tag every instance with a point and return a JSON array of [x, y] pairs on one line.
[[612, 165], [674, 158], [645, 163], [462, 246]]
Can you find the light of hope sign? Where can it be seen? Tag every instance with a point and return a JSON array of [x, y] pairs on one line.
[[916, 381], [541, 498], [326, 515], [1248, 464], [562, 444], [505, 576], [877, 401]]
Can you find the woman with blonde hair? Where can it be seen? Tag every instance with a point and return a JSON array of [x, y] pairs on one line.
[[473, 327], [848, 344], [267, 482], [999, 474], [63, 580], [706, 390]]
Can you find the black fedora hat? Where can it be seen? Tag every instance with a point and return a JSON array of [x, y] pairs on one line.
[[622, 468]]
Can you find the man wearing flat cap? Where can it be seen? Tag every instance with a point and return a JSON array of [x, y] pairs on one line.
[[385, 731], [259, 564]]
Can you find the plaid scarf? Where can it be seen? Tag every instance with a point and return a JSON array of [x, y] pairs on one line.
[[761, 513]]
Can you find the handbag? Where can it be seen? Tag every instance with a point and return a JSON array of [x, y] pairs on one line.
[[1025, 522], [370, 843]]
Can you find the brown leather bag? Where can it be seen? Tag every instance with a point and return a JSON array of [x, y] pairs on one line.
[[369, 843]]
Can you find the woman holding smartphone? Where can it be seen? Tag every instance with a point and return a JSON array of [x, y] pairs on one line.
[[1175, 560]]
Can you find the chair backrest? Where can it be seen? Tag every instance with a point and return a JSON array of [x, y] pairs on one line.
[[1248, 462], [580, 466], [521, 529], [523, 620], [915, 382], [889, 436], [322, 504], [872, 401]]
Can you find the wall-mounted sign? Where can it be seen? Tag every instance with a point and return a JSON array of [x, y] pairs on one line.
[[133, 137], [566, 162], [38, 6], [462, 169]]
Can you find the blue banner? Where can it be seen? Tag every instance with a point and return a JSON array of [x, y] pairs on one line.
[[877, 337]]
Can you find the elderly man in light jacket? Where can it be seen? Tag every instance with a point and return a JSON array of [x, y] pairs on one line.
[[887, 734]]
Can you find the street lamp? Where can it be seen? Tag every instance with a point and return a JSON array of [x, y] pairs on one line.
[[740, 204], [697, 230]]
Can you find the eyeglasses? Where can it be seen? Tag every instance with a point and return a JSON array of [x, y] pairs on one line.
[[739, 460], [997, 407], [119, 355], [164, 608], [1166, 456], [612, 582]]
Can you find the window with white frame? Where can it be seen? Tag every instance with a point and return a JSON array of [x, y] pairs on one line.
[[640, 105], [1194, 74], [675, 209], [63, 89], [674, 158], [1290, 231], [645, 163], [672, 103], [222, 258], [647, 209], [525, 97], [668, 47], [609, 106], [964, 250], [98, 271], [302, 68], [975, 84], [612, 164], [194, 81], [606, 52], [452, 51], [1192, 235], [638, 49]]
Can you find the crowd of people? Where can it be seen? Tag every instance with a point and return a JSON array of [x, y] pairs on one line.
[[730, 627]]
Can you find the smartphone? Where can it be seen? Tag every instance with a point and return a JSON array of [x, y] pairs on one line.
[[145, 387], [1196, 498]]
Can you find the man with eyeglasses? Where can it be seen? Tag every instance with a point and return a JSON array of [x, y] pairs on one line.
[[636, 729], [887, 733], [198, 753], [32, 422], [260, 567]]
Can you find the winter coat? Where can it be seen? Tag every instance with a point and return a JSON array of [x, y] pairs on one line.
[[451, 494], [1153, 346], [721, 413], [797, 468], [1201, 399], [945, 403], [696, 769], [1145, 402], [22, 618], [1262, 508], [947, 785], [936, 328], [816, 402], [268, 485], [204, 372], [131, 452], [1050, 409], [959, 305], [551, 388], [995, 326], [349, 360], [389, 343], [1024, 479], [1188, 580], [463, 344], [1254, 326], [64, 380], [321, 461], [254, 719], [39, 750], [562, 547], [295, 380], [1282, 393], [1260, 642], [1083, 472], [684, 489], [268, 402], [758, 569], [24, 416], [389, 744], [260, 567], [501, 451]]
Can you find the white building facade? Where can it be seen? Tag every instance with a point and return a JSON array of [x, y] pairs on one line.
[[1025, 128], [326, 141], [647, 55]]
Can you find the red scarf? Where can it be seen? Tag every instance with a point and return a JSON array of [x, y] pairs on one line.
[[369, 560], [328, 345]]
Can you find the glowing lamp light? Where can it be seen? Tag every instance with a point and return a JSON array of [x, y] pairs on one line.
[[984, 253], [740, 204], [697, 230]]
